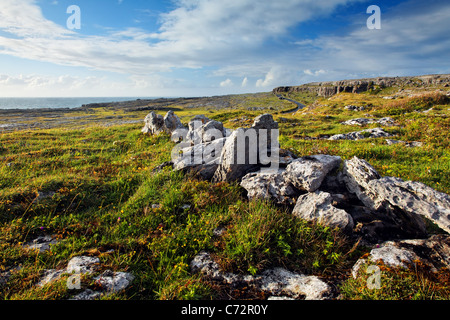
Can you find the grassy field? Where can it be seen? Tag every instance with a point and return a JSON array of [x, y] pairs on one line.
[[95, 190]]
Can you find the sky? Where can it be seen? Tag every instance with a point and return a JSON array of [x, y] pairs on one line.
[[183, 48]]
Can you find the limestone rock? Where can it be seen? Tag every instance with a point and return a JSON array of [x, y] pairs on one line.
[[387, 121], [50, 276], [172, 122], [114, 281], [433, 252], [359, 135], [358, 122], [201, 159], [83, 264], [357, 174], [239, 157], [41, 244], [413, 198], [277, 281], [260, 185], [412, 144], [317, 206], [282, 282], [265, 121], [154, 123], [205, 130], [307, 173]]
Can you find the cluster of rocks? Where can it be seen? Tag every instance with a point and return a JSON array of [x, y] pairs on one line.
[[355, 108], [387, 121], [211, 151], [109, 281], [409, 144], [277, 282], [347, 194], [363, 134]]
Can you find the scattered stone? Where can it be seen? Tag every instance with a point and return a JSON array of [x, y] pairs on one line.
[[355, 108], [87, 294], [277, 281], [114, 281], [358, 122], [359, 135], [201, 159], [317, 206], [307, 173], [280, 298], [49, 276], [433, 252], [41, 244], [412, 144], [83, 264], [203, 129], [282, 282], [387, 121]]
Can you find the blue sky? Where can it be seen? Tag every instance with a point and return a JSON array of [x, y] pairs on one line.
[[209, 47]]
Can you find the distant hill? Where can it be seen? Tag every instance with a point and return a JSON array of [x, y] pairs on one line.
[[326, 89]]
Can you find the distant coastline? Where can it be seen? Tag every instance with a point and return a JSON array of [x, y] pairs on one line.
[[60, 103]]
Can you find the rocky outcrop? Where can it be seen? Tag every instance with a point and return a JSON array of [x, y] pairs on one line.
[[412, 198], [327, 89], [350, 194], [240, 157], [156, 123]]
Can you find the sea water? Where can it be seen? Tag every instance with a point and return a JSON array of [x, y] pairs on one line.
[[36, 103]]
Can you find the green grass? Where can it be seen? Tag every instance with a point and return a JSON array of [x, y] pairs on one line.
[[94, 190]]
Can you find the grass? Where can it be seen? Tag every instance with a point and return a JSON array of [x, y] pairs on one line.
[[95, 190]]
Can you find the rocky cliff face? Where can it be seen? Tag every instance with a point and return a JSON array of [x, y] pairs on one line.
[[327, 89]]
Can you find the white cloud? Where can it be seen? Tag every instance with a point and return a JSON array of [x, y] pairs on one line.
[[228, 38], [314, 73], [194, 35], [413, 40], [226, 83], [267, 81]]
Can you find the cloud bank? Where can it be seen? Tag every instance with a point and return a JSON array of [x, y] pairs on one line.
[[235, 40]]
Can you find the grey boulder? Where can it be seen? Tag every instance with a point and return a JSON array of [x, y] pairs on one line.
[[308, 173], [318, 206], [273, 186]]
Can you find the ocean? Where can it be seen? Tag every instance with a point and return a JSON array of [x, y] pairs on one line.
[[36, 103]]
